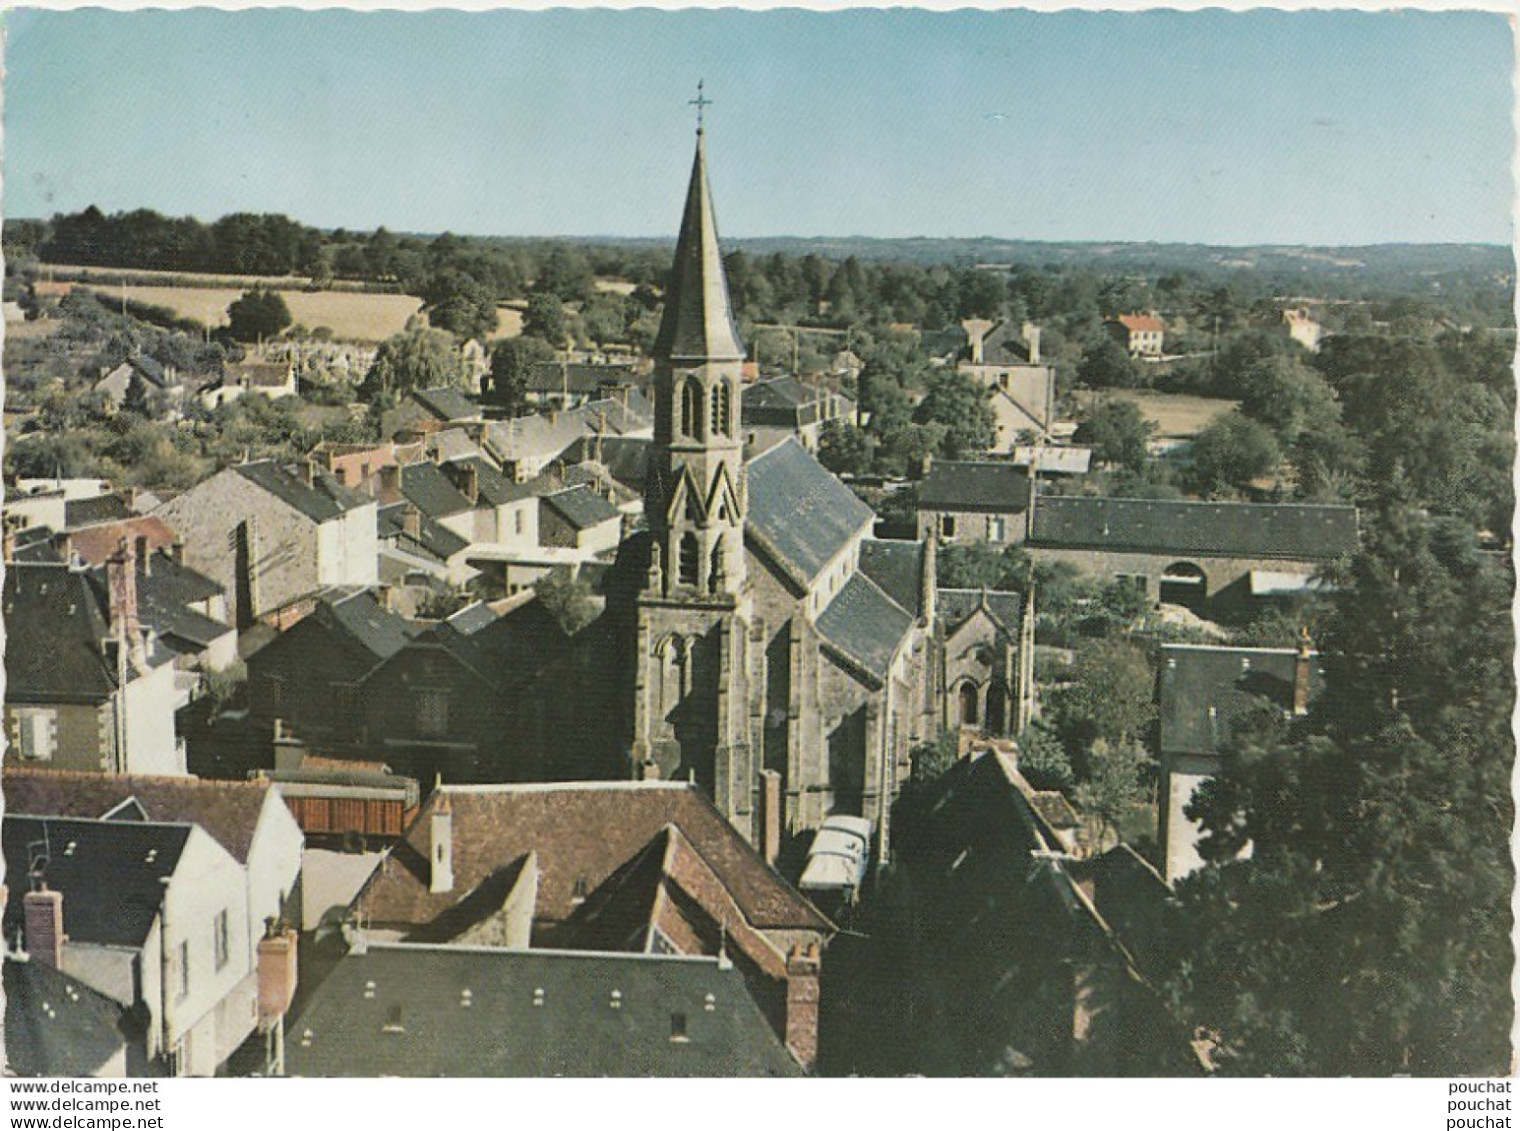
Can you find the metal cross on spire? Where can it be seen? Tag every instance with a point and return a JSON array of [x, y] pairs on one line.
[[701, 102]]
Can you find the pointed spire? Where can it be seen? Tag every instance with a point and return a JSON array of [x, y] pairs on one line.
[[698, 324]]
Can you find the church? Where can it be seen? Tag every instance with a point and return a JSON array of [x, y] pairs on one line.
[[783, 658]]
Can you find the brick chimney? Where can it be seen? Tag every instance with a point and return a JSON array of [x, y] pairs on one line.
[[411, 521], [121, 584], [43, 918], [770, 815], [441, 845], [390, 485], [802, 968], [1301, 667], [470, 483], [276, 971]]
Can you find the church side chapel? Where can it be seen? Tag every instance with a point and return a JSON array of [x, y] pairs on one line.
[[774, 639]]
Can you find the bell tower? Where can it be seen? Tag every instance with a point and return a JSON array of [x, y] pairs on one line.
[[691, 710]]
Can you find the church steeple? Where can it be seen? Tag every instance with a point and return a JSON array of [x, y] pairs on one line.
[[694, 499], [698, 324]]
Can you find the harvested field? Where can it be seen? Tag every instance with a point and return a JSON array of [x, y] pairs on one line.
[[350, 316], [1177, 416]]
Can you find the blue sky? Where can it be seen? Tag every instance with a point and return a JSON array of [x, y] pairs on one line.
[[1211, 127]]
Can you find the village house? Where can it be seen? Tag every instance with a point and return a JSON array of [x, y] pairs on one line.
[[271, 534], [271, 379], [974, 501], [525, 445], [87, 687], [613, 868], [568, 384], [419, 555], [578, 518], [149, 376], [1004, 358], [784, 406], [358, 465], [1139, 334], [152, 915], [423, 411], [1210, 696]]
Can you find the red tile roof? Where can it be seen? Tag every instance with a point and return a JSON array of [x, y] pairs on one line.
[[582, 833], [1137, 322], [228, 810], [95, 544]]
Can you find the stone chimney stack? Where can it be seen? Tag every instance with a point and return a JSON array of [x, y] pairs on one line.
[[441, 848], [1032, 342], [802, 970], [977, 330], [1301, 668], [411, 521], [470, 485], [276, 971], [43, 929]]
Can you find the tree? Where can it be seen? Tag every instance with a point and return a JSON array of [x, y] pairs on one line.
[[545, 318], [1118, 433], [957, 402], [845, 449], [1230, 452], [257, 315], [568, 598], [416, 358], [1378, 828], [1043, 760], [1114, 784], [1111, 696], [1288, 397], [512, 362], [1107, 365], [459, 303]]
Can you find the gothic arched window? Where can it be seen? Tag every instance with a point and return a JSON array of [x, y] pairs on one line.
[[716, 575], [691, 554], [691, 409]]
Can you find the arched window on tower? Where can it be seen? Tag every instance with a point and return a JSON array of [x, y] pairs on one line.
[[716, 575], [691, 554], [691, 409]]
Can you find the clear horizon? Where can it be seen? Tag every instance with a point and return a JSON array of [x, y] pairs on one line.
[[1224, 129]]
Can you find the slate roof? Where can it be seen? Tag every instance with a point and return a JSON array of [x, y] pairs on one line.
[[547, 435], [983, 486], [363, 620], [800, 510], [511, 649], [1206, 690], [228, 810], [1294, 531], [164, 595], [446, 403], [865, 624], [433, 537], [495, 488], [54, 626], [35, 544], [428, 489], [954, 607], [897, 566], [582, 832], [110, 880], [626, 458], [321, 500], [783, 401], [1005, 345], [581, 378], [581, 507], [698, 322], [93, 511], [412, 1023], [56, 1026]]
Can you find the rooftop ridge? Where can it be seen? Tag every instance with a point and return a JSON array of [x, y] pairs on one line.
[[544, 952], [561, 787]]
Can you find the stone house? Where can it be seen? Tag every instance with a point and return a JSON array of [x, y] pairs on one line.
[[1004, 358], [86, 688], [570, 384], [423, 411], [1208, 694], [152, 376], [613, 868], [580, 519], [506, 513], [358, 465], [974, 501], [271, 534], [1140, 334], [526, 445]]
